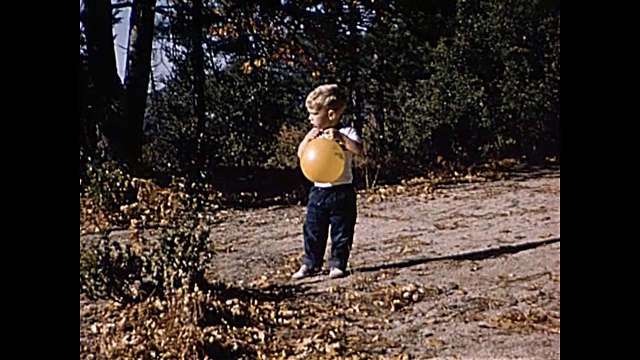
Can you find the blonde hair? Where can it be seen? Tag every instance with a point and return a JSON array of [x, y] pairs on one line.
[[328, 96]]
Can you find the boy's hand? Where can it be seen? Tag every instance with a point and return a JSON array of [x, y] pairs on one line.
[[333, 134], [312, 134]]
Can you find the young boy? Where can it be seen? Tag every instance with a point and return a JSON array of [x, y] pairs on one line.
[[330, 204]]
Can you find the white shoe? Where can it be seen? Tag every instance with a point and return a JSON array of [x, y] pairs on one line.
[[304, 272], [336, 273]]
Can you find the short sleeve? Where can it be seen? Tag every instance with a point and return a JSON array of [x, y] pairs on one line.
[[351, 133]]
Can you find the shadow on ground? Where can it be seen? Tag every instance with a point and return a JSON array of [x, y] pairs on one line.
[[473, 255]]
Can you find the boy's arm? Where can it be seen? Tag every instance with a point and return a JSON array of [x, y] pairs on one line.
[[351, 145], [354, 146]]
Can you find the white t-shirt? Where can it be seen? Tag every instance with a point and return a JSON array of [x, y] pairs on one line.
[[347, 175]]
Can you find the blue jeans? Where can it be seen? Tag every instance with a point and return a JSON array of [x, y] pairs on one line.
[[335, 206]]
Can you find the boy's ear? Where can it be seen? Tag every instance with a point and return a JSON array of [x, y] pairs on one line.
[[332, 114]]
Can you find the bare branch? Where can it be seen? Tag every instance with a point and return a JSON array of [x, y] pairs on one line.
[[158, 9], [164, 10]]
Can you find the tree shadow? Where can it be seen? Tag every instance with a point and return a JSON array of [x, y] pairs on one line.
[[535, 173], [473, 255], [274, 292]]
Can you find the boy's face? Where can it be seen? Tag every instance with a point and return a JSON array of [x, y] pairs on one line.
[[321, 117]]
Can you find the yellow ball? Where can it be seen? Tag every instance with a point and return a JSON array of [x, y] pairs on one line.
[[322, 160]]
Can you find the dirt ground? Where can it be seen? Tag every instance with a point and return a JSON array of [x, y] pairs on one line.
[[477, 263]]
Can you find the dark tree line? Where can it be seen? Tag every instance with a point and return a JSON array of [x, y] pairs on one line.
[[462, 80]]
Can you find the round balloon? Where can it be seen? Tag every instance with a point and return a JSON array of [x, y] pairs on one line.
[[322, 160]]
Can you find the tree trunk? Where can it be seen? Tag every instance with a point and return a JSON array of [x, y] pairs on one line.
[[107, 89], [199, 80], [87, 123], [136, 81], [380, 74], [101, 55], [197, 60], [357, 94]]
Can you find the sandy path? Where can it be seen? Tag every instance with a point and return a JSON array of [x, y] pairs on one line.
[[492, 249]]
